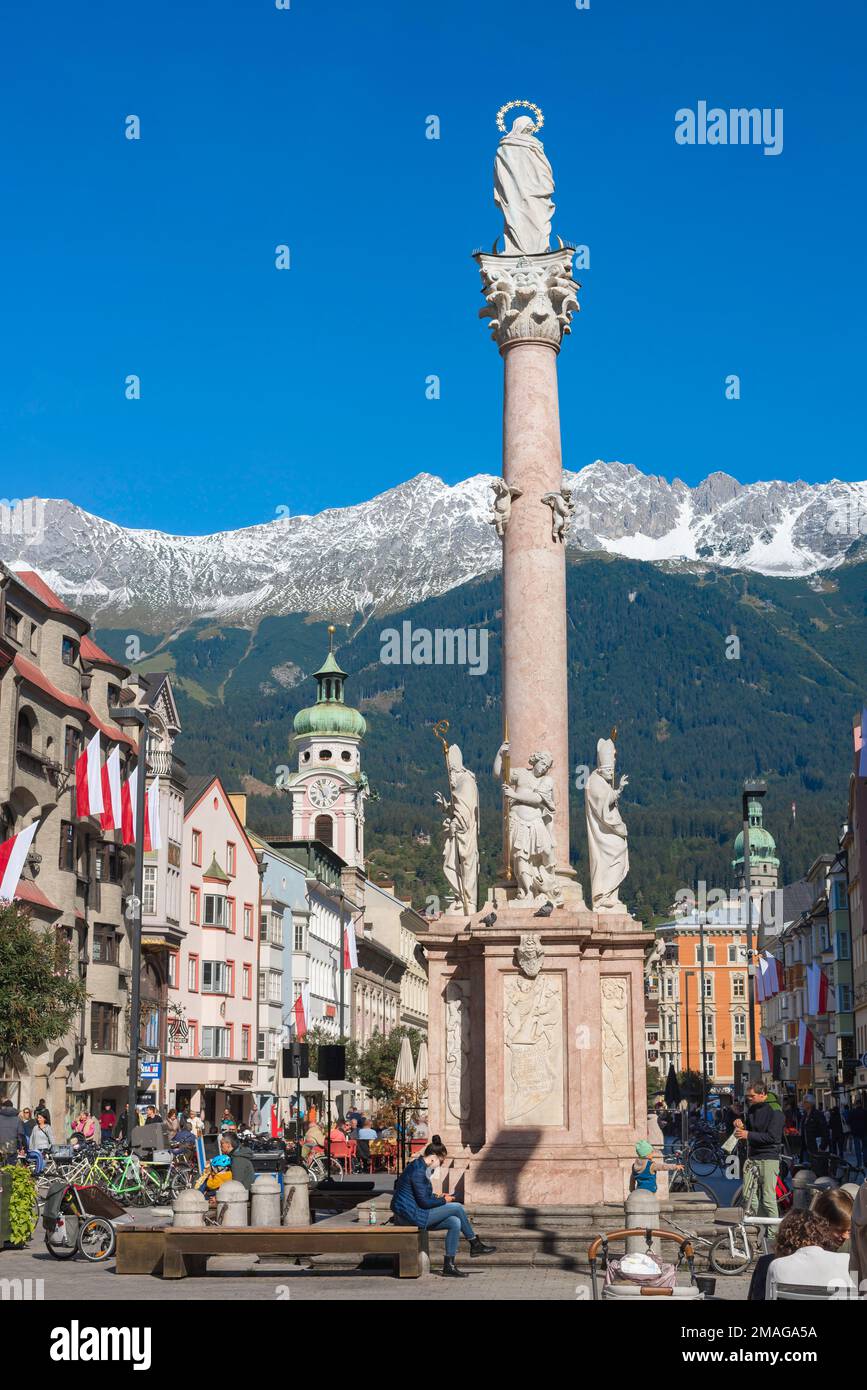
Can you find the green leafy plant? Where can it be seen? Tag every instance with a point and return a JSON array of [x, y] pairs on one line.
[[23, 1207], [39, 998]]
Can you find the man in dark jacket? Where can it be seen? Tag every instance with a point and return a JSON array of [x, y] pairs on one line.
[[858, 1128], [242, 1169], [12, 1136], [763, 1131], [11, 1130], [815, 1136]]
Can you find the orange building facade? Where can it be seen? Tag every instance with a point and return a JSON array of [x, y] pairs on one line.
[[719, 980]]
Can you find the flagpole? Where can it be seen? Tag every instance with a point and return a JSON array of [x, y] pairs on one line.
[[342, 970]]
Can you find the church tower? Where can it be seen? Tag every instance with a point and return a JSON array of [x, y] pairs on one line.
[[329, 788], [764, 863]]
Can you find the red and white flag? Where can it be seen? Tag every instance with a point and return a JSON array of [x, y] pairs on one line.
[[12, 856], [350, 948], [817, 990], [128, 795], [767, 1053], [152, 836], [805, 1044], [112, 815], [301, 1012], [88, 781]]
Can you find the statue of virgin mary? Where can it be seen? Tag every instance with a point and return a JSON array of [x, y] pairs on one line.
[[523, 184]]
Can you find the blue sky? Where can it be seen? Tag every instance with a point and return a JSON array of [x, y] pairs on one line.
[[305, 388]]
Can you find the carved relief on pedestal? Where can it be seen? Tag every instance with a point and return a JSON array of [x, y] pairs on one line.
[[615, 1050], [533, 1061], [457, 1051]]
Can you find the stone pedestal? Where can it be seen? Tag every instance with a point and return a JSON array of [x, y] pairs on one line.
[[537, 1082]]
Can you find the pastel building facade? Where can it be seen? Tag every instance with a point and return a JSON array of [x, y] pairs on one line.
[[213, 1062]]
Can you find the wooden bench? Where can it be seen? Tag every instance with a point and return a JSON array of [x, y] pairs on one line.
[[176, 1251]]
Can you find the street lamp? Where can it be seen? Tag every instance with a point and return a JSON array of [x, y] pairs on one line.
[[702, 923], [753, 791], [687, 976], [130, 715]]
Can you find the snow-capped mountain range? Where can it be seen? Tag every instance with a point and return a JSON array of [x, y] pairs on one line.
[[419, 540]]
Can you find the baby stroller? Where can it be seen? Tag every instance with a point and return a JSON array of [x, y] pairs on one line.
[[620, 1281], [80, 1221]]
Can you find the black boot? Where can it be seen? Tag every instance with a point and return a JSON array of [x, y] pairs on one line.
[[451, 1271], [478, 1247]]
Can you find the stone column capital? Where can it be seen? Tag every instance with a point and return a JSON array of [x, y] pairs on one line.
[[529, 298]]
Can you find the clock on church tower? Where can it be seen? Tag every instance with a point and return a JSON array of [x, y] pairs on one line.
[[329, 788]]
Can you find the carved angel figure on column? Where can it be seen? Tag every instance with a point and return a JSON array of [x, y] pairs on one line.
[[606, 831], [562, 507], [504, 496]]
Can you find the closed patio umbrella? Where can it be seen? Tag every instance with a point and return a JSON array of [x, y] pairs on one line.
[[672, 1088], [421, 1066], [405, 1072]]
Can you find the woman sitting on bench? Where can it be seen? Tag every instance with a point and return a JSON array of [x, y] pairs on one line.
[[414, 1203]]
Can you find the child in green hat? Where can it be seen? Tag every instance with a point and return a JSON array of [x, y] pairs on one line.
[[645, 1168]]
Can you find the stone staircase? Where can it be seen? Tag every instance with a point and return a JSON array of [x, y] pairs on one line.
[[558, 1237]]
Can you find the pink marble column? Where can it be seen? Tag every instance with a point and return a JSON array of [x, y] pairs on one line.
[[530, 301], [534, 572]]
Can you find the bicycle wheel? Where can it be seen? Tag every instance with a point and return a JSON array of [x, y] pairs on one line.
[[179, 1183], [315, 1170], [702, 1187], [726, 1261], [60, 1252], [703, 1160], [336, 1173], [96, 1239]]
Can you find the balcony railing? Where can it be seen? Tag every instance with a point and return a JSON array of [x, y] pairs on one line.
[[162, 763]]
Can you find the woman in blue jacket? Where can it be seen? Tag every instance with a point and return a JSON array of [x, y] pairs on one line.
[[415, 1204]]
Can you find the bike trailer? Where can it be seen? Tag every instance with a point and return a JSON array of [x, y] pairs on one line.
[[95, 1202]]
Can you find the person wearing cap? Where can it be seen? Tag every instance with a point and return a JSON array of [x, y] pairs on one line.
[[646, 1167]]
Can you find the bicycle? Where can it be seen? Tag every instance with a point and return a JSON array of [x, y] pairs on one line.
[[315, 1166], [706, 1155], [732, 1253], [685, 1181], [137, 1183], [845, 1171]]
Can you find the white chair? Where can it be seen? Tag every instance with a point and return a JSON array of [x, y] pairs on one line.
[[811, 1293]]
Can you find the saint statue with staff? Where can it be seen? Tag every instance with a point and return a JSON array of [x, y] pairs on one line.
[[461, 848]]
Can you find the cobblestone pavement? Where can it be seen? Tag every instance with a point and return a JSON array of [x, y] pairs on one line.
[[235, 1279]]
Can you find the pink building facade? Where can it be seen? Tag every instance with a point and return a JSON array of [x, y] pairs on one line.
[[211, 1065]]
